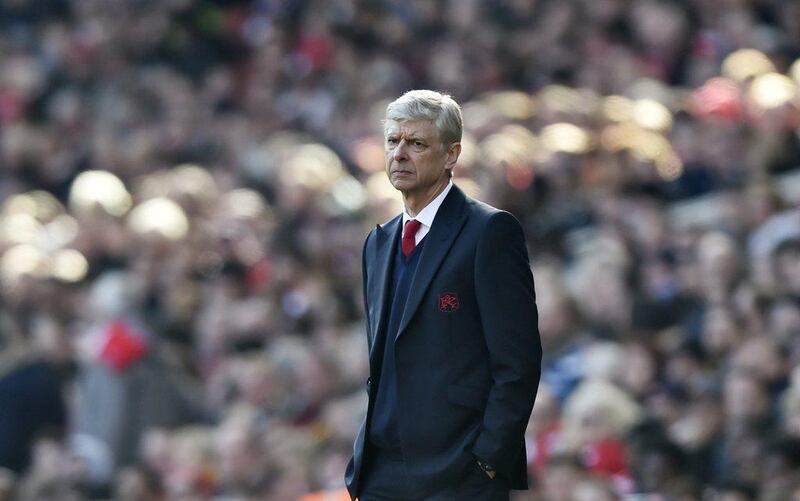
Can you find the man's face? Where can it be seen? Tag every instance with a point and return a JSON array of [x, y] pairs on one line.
[[416, 162]]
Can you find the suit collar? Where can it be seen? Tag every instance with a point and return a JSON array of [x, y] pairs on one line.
[[387, 228], [387, 236]]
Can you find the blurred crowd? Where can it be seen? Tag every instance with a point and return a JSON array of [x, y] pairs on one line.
[[185, 186]]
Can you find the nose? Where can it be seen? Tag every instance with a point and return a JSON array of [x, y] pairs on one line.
[[399, 153]]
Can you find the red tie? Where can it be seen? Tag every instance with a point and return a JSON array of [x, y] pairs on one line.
[[409, 230]]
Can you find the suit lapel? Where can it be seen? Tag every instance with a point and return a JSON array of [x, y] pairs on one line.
[[386, 243], [446, 226]]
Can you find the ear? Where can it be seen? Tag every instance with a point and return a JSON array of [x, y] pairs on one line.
[[452, 156]]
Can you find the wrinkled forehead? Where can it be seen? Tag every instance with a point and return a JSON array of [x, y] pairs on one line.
[[411, 128]]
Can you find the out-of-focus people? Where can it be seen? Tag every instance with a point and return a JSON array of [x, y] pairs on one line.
[[205, 172], [125, 386], [32, 401]]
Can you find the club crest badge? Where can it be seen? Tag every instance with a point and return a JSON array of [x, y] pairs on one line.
[[448, 302]]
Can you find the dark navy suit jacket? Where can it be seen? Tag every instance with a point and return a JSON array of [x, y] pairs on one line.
[[467, 353]]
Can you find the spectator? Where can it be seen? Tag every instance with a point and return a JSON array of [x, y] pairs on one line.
[[183, 186], [31, 402]]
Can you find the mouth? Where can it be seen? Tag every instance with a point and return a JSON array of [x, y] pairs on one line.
[[402, 172]]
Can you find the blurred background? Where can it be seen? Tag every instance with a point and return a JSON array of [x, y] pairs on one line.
[[185, 187]]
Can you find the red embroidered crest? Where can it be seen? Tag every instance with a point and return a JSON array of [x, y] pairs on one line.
[[448, 302]]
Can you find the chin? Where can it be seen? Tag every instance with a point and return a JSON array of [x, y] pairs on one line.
[[403, 186]]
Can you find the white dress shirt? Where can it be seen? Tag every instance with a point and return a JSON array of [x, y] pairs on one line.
[[427, 214]]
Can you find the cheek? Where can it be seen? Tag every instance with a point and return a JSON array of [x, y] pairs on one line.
[[426, 165]]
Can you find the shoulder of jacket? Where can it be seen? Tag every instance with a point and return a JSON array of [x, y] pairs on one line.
[[482, 212]]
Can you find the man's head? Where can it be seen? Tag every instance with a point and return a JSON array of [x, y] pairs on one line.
[[441, 109], [422, 133]]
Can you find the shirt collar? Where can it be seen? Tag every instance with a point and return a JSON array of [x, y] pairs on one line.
[[427, 214]]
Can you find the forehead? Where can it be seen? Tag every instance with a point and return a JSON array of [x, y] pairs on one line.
[[411, 128]]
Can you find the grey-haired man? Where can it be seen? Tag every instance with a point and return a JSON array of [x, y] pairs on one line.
[[454, 348]]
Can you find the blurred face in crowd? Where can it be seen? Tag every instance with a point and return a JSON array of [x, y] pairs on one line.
[[555, 314], [590, 489], [732, 496], [658, 25], [760, 356], [639, 371], [788, 270], [156, 449], [417, 162], [327, 467], [791, 415], [257, 382], [719, 265], [545, 411], [744, 397], [559, 480], [791, 405], [132, 484], [240, 456], [720, 333], [699, 424], [784, 321]]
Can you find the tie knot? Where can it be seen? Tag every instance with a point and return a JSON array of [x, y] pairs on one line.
[[410, 228], [409, 231]]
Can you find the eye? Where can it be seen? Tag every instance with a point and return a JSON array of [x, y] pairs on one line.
[[391, 140], [419, 144]]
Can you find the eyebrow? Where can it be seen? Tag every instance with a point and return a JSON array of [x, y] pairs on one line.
[[414, 136]]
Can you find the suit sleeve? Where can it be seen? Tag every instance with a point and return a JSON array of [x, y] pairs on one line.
[[507, 305]]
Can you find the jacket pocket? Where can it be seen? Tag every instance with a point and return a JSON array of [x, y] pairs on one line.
[[474, 398]]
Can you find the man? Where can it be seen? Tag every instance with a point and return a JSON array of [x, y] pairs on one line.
[[452, 330]]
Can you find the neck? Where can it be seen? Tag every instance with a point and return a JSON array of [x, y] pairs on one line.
[[415, 202]]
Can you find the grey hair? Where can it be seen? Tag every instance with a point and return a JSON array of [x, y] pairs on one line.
[[441, 109]]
